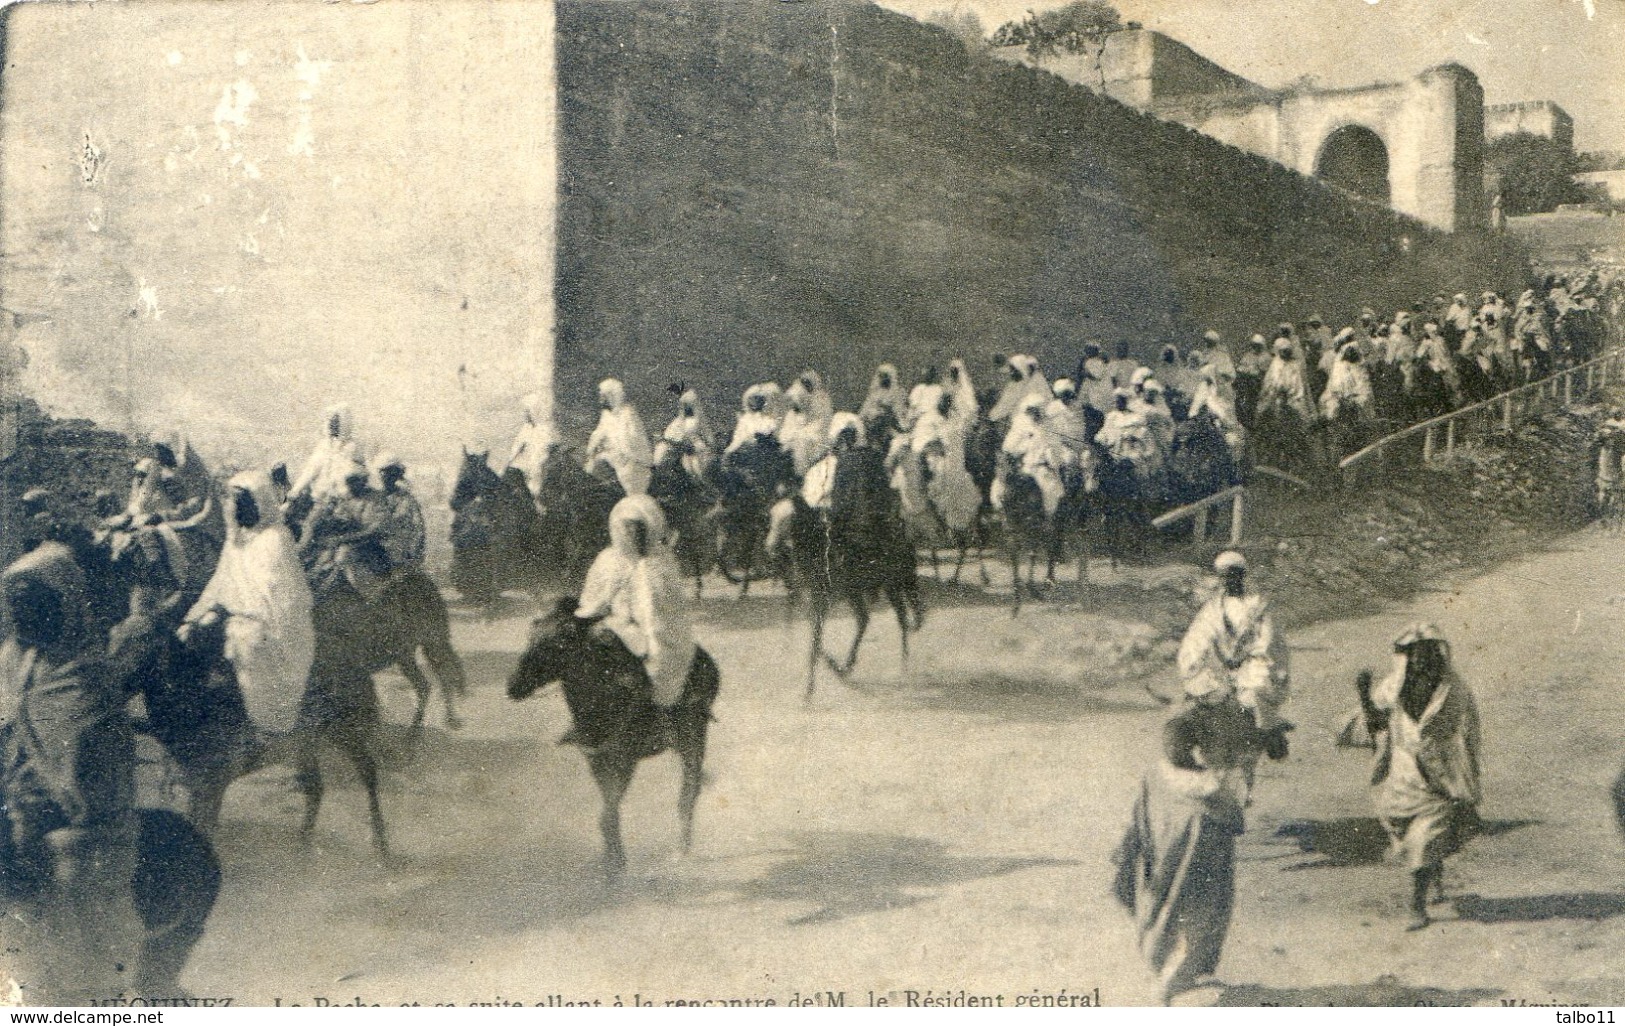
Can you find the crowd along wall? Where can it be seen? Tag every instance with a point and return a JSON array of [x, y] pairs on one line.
[[748, 190]]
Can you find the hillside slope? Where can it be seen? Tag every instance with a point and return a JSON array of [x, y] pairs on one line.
[[747, 189]]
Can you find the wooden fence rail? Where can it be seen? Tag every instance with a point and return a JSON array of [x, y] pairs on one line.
[[1503, 408], [1236, 495]]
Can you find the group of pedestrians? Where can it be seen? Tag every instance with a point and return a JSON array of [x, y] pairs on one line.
[[1176, 864]]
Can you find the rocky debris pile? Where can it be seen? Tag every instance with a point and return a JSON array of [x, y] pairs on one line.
[[1497, 498], [1344, 552], [74, 459]]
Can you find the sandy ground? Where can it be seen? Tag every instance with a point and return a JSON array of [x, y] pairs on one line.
[[946, 829]]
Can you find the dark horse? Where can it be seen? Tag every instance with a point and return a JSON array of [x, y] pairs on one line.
[[575, 508], [195, 709], [1028, 530], [148, 571], [750, 480], [497, 540], [607, 692], [826, 566], [689, 504]]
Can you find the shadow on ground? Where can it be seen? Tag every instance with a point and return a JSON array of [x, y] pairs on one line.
[[1540, 908], [1021, 699], [854, 874], [1358, 840], [1384, 992]]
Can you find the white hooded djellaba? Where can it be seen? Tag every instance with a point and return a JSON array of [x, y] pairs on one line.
[[620, 440], [533, 443], [336, 452], [270, 640], [640, 597]]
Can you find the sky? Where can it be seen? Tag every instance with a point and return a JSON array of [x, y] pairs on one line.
[[1568, 51]]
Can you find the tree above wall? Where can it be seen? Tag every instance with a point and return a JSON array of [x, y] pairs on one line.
[[1075, 28], [1534, 173]]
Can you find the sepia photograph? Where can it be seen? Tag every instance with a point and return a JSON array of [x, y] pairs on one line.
[[812, 503]]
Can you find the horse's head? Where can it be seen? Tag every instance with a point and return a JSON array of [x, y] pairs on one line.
[[557, 641], [474, 479]]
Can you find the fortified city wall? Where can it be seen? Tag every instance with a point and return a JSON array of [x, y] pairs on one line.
[[748, 191]]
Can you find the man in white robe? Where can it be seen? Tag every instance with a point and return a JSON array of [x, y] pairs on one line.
[[259, 587], [1232, 647], [635, 590], [807, 422], [534, 442], [620, 441], [335, 453], [1428, 765], [755, 421], [689, 433]]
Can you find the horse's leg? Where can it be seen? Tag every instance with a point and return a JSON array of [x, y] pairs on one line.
[[613, 773], [207, 787], [1015, 577], [448, 669], [936, 569], [408, 665], [309, 777], [900, 604], [860, 612], [176, 881], [1052, 547], [820, 610], [353, 741], [691, 750]]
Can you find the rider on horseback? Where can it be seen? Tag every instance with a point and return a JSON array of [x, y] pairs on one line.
[[345, 539], [402, 535], [259, 588], [67, 761], [634, 592]]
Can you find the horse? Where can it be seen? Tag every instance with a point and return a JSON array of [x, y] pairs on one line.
[[1201, 463], [575, 507], [1029, 530], [147, 565], [607, 692], [751, 482], [497, 539], [825, 566], [941, 505], [195, 711], [689, 504]]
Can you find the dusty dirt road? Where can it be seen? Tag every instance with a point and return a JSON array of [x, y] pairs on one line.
[[946, 830]]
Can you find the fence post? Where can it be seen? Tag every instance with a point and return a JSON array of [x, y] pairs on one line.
[[1591, 378], [1238, 513], [1506, 414], [1449, 438], [1568, 388], [1200, 531], [1427, 445]]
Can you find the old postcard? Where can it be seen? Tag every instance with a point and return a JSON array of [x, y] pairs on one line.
[[946, 503]]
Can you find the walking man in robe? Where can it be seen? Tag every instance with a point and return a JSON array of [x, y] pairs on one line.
[[1426, 778], [1232, 647], [67, 785], [1176, 864]]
